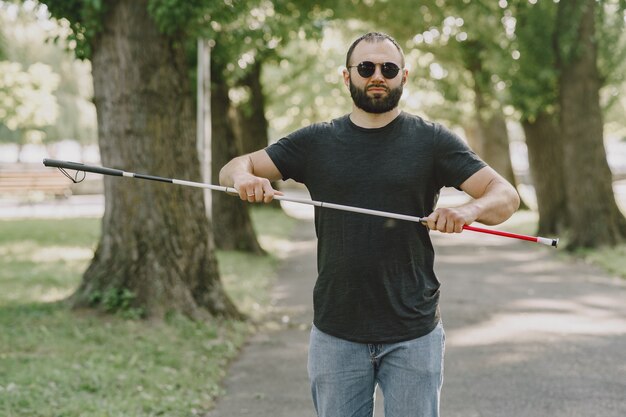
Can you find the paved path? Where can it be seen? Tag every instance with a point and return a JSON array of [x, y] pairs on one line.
[[529, 333]]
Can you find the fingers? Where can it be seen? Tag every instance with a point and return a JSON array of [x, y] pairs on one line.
[[256, 190], [446, 220]]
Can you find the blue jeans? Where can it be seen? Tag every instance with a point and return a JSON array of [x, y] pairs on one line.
[[344, 375]]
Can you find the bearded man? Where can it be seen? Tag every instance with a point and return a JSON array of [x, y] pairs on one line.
[[376, 299]]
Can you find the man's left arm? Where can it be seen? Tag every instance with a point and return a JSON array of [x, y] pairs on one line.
[[494, 201]]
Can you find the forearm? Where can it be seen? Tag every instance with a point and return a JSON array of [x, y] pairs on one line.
[[499, 201], [250, 175], [495, 200], [240, 165]]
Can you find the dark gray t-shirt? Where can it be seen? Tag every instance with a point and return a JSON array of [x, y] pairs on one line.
[[375, 282]]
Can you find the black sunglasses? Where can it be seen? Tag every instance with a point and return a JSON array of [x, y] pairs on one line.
[[367, 68]]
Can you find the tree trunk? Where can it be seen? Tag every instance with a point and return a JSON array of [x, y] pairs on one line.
[[496, 145], [253, 124], [493, 137], [491, 134], [474, 136], [233, 227], [594, 217], [248, 119], [545, 156], [156, 249]]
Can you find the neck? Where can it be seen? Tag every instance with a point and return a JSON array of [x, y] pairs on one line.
[[372, 120]]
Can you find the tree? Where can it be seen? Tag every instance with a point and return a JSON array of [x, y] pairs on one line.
[[157, 242], [493, 138], [587, 171], [241, 48], [233, 230], [27, 101], [533, 93], [556, 91]]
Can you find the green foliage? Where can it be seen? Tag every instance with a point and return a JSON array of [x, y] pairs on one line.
[[568, 33], [27, 102], [243, 31], [611, 41], [85, 19], [534, 75], [306, 85], [262, 29], [117, 301], [176, 17], [28, 34]]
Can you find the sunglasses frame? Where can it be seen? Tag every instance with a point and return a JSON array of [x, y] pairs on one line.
[[386, 68]]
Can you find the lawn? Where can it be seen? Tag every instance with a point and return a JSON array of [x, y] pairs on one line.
[[59, 362]]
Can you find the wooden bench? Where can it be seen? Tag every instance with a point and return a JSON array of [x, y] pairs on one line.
[[30, 182]]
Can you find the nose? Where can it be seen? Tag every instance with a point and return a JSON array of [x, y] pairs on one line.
[[378, 73]]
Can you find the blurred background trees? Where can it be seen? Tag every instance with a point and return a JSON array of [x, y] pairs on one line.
[[46, 93]]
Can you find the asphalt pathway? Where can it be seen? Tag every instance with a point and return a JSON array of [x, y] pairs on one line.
[[529, 333]]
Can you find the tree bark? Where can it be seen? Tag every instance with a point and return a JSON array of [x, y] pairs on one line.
[[594, 218], [492, 138], [156, 241], [248, 119], [252, 122], [496, 145], [545, 157], [233, 227]]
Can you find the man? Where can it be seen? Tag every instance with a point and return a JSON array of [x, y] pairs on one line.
[[376, 314]]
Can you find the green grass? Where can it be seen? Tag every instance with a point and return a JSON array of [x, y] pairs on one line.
[[58, 362], [611, 260]]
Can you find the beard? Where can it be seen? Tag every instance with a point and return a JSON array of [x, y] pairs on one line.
[[378, 103]]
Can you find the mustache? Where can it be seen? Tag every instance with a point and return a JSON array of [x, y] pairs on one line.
[[369, 87]]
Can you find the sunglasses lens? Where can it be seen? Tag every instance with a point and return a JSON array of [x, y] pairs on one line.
[[389, 70], [366, 69]]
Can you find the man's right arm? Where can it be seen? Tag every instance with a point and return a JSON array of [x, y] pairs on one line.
[[250, 175]]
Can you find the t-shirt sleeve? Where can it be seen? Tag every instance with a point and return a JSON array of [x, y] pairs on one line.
[[454, 160], [289, 154]]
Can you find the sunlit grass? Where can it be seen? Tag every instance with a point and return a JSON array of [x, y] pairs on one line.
[[42, 260], [55, 362], [612, 260], [58, 362]]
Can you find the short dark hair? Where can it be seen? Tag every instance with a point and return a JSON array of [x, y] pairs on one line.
[[373, 37]]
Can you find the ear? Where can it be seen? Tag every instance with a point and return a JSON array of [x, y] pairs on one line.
[[405, 76], [346, 77]]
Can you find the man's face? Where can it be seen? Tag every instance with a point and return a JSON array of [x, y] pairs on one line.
[[375, 93]]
